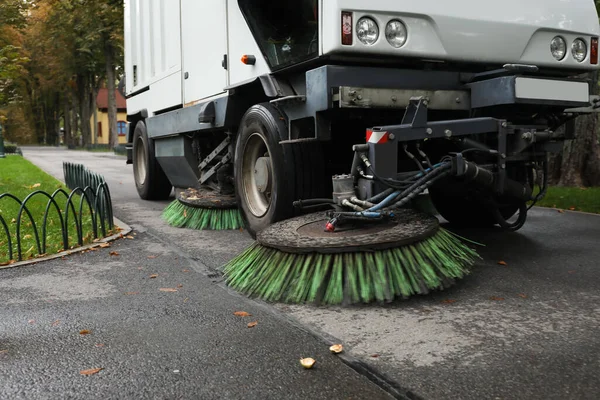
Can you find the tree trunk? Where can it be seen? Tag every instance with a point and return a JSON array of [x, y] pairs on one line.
[[579, 162], [113, 138], [66, 119]]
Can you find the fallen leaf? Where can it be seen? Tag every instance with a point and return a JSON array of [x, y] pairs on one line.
[[572, 271], [572, 208], [104, 245], [252, 324], [448, 301], [167, 290], [129, 237], [13, 220], [336, 348], [31, 321], [151, 257], [89, 372], [375, 355], [131, 293], [27, 237], [3, 351], [153, 276], [186, 270], [55, 323], [241, 314], [307, 362], [522, 295], [37, 185], [114, 253], [99, 345], [495, 298], [184, 214], [502, 263], [180, 285], [140, 268], [84, 332], [561, 211], [186, 300]]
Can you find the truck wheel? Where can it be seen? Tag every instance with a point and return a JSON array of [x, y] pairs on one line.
[[463, 207], [269, 176], [150, 180]]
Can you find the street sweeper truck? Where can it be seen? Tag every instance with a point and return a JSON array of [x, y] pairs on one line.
[[321, 125]]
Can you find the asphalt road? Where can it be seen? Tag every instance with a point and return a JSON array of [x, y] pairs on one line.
[[524, 330]]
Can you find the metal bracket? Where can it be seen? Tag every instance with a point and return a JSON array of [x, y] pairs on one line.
[[205, 176], [502, 133], [416, 112]]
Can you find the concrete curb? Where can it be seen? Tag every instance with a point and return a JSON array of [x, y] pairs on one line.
[[123, 228]]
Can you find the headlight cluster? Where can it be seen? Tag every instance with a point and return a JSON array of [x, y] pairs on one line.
[[558, 48], [367, 32]]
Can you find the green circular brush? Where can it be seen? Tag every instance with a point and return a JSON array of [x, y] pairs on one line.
[[203, 209], [297, 261]]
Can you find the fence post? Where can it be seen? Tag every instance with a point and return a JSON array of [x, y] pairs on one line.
[[1, 143]]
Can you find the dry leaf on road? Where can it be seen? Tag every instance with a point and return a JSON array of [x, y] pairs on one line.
[[55, 323], [572, 208], [180, 285], [99, 344], [93, 371], [561, 211], [153, 276], [151, 257], [241, 314], [186, 270], [448, 301], [522, 295], [502, 263], [85, 332], [336, 348], [496, 298], [252, 324], [114, 253], [31, 321], [307, 362], [129, 237], [167, 290]]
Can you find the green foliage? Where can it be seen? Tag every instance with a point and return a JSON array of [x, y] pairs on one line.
[[577, 199]]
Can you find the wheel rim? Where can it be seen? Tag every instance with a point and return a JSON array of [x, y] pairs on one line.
[[141, 155], [257, 175]]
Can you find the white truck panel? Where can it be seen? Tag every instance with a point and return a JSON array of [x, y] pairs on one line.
[[153, 40], [242, 42], [509, 31], [204, 36]]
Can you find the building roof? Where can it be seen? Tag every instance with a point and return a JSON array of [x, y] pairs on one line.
[[102, 100]]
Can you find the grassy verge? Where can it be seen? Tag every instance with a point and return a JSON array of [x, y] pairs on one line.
[[20, 178], [570, 198]]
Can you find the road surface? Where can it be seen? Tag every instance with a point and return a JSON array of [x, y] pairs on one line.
[[524, 330]]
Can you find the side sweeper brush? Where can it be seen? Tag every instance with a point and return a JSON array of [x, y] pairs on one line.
[[298, 261], [203, 209]]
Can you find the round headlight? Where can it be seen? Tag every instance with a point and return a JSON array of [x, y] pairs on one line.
[[579, 50], [395, 33], [558, 47], [367, 31]]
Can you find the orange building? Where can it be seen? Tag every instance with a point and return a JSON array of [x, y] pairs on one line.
[[102, 117]]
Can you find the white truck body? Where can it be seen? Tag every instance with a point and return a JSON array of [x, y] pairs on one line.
[[264, 99], [169, 40]]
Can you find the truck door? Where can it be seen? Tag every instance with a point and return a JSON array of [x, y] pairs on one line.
[[204, 43]]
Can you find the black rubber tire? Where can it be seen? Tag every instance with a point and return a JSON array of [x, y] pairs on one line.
[[297, 169], [156, 185], [463, 206]]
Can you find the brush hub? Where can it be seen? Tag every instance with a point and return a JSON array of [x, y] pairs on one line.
[[206, 198], [307, 234]]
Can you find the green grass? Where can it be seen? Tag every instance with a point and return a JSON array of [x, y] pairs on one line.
[[20, 178], [573, 198]]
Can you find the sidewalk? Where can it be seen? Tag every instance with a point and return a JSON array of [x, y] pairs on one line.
[[159, 328]]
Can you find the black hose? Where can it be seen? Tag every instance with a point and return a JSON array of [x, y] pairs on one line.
[[312, 202], [512, 227]]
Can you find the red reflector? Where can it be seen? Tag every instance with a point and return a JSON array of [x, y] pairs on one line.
[[346, 28], [594, 51]]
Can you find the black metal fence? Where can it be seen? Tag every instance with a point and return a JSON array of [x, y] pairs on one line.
[[88, 200]]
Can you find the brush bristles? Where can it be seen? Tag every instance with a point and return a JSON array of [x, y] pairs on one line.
[[180, 215], [350, 278]]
